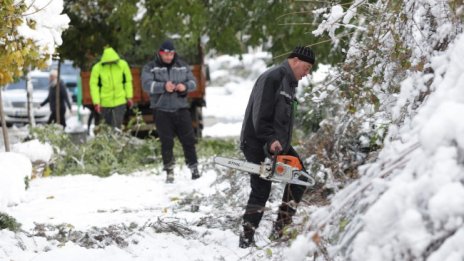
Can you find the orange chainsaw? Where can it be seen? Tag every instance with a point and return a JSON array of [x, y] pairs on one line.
[[282, 168]]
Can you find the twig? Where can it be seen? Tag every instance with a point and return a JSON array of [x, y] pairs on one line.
[[398, 162], [310, 45], [38, 10]]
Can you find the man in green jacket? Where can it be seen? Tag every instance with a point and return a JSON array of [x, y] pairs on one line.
[[111, 87]]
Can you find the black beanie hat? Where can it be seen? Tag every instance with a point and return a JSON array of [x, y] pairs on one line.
[[167, 46], [304, 54]]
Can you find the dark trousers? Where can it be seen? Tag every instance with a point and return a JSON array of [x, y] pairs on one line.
[[94, 116], [114, 116], [170, 125], [54, 119], [261, 188]]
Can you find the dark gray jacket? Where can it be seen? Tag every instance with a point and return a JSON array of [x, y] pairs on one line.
[[155, 74], [51, 98], [269, 114]]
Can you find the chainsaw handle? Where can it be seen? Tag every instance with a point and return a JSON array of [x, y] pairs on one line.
[[274, 162], [267, 152], [272, 157]]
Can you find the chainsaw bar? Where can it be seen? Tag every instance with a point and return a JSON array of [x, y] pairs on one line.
[[283, 172], [238, 164]]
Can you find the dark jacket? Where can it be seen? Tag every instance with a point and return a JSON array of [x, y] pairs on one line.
[[156, 73], [51, 98], [269, 114]]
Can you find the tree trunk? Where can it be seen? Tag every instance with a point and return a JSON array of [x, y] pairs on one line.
[[6, 140], [30, 109], [57, 95]]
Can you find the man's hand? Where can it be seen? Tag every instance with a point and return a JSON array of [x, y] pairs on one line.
[[97, 108], [180, 87], [275, 147], [130, 103], [169, 86]]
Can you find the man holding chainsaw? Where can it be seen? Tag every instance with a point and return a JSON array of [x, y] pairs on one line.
[[267, 130]]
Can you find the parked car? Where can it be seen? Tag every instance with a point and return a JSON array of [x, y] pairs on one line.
[[14, 97], [70, 75]]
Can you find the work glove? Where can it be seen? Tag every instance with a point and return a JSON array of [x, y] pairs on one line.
[[97, 108]]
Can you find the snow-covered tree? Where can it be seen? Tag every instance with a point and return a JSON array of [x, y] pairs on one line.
[[402, 75], [29, 33], [389, 41]]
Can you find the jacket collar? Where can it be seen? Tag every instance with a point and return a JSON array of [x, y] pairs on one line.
[[160, 62], [289, 71]]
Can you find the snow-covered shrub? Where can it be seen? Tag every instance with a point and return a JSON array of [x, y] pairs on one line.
[[400, 54], [8, 222], [388, 43], [107, 153]]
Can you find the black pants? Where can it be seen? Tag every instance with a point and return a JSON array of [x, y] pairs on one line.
[[170, 125], [62, 117], [261, 188], [94, 116], [114, 116]]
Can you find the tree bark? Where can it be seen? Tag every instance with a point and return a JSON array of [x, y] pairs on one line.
[[29, 91], [57, 96], [6, 140]]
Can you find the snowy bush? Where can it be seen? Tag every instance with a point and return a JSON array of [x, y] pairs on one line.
[[401, 74]]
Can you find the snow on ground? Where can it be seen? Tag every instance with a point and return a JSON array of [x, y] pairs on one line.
[[15, 167], [84, 202], [134, 205]]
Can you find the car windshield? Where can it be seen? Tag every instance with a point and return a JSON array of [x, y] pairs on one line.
[[39, 83], [21, 84]]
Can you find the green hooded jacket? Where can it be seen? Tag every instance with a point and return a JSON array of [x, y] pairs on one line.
[[111, 80]]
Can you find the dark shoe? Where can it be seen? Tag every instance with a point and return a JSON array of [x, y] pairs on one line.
[[195, 173], [245, 242], [247, 236], [276, 233], [284, 218], [169, 176]]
